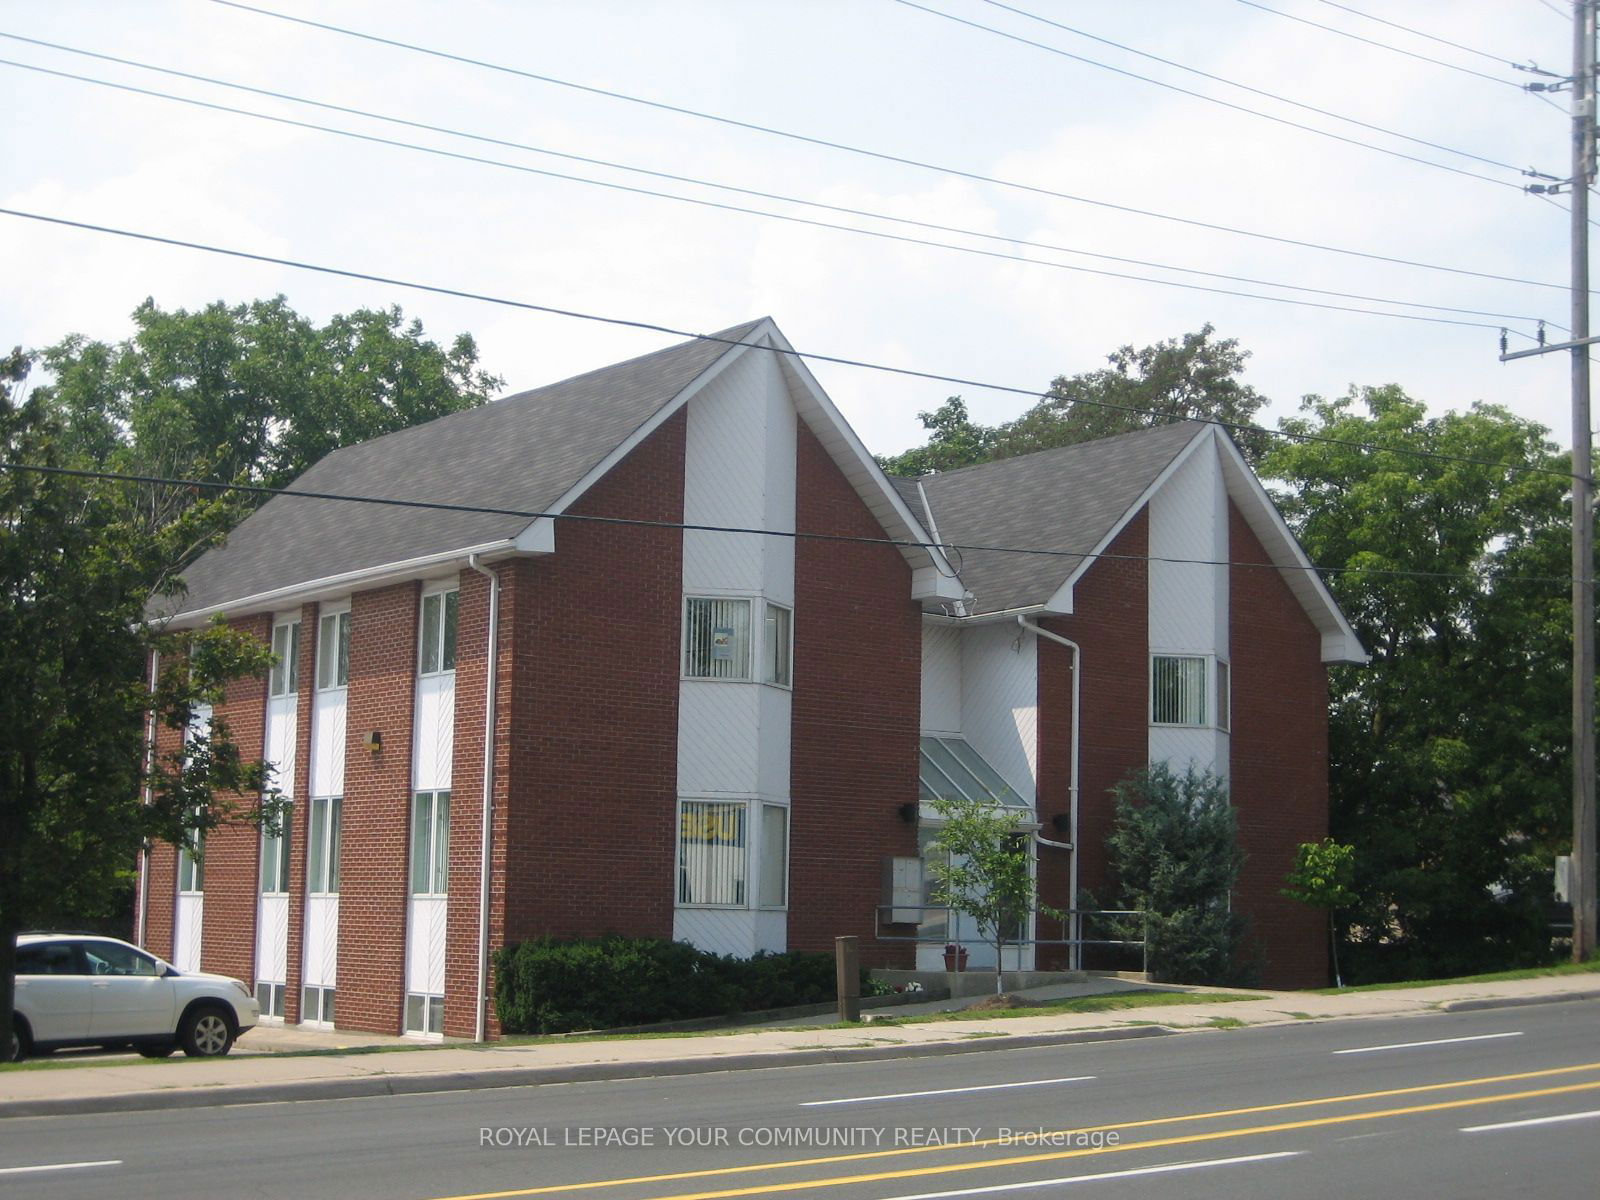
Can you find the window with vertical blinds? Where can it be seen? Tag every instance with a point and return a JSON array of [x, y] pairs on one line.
[[1177, 690], [716, 638], [712, 862]]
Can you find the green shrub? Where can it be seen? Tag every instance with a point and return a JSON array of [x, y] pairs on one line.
[[553, 985]]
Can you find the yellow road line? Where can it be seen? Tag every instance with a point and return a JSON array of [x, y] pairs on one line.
[[1123, 1147], [827, 1160]]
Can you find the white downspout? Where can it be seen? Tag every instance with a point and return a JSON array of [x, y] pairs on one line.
[[150, 766], [491, 673], [1077, 726]]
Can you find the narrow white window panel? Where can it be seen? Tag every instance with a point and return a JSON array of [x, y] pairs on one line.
[[778, 645], [333, 651], [774, 856]]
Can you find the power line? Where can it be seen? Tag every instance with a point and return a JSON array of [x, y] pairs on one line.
[[1345, 33], [1427, 36], [1565, 16], [798, 355], [991, 237], [877, 155], [1240, 108], [693, 527], [1323, 112]]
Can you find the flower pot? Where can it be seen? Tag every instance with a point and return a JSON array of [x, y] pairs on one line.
[[955, 958]]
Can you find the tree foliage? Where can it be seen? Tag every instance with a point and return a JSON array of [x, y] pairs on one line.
[[1195, 376], [1323, 876], [1449, 752], [76, 573], [983, 869], [1175, 853]]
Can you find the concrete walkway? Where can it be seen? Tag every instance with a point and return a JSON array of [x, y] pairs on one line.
[[373, 1065]]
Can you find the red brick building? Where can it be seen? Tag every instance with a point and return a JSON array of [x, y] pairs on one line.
[[669, 655]]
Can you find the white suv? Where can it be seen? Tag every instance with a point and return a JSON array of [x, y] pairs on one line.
[[82, 990]]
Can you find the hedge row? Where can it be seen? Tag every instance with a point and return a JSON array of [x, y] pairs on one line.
[[552, 985]]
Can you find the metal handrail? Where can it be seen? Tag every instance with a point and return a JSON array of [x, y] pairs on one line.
[[1070, 918]]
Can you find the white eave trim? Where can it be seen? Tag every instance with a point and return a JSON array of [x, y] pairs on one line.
[[340, 585], [1339, 642], [540, 536], [937, 579], [1061, 601]]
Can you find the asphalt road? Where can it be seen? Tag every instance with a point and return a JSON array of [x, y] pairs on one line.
[[1482, 1104]]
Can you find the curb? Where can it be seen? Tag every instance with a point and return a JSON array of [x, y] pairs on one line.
[[509, 1077], [1516, 1001]]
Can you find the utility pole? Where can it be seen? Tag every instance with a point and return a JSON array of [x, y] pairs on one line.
[[1582, 889], [1583, 810]]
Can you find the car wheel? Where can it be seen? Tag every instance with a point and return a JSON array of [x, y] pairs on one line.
[[21, 1043], [157, 1050], [206, 1032]]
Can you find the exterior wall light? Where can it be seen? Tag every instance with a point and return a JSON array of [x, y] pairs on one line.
[[374, 741]]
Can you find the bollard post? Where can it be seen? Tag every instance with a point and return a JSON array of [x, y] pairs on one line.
[[847, 976]]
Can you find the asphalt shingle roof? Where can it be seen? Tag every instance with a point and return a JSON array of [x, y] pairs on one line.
[[1064, 499], [522, 452]]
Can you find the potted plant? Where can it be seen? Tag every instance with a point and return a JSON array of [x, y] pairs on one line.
[[955, 957]]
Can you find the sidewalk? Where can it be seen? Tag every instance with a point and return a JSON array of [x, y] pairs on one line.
[[380, 1068]]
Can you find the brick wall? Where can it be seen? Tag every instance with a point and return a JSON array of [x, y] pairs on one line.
[[233, 852], [857, 710], [594, 710], [377, 791], [1111, 624], [1279, 757]]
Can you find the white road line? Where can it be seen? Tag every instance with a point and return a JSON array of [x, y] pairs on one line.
[[1165, 1168], [1583, 1116], [104, 1162], [1481, 1037], [988, 1087]]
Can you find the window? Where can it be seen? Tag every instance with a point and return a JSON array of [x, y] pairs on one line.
[[191, 872], [333, 651], [716, 638], [51, 958], [270, 997], [1224, 696], [430, 843], [323, 854], [275, 858], [1177, 690], [439, 610], [424, 1014], [285, 679], [774, 856], [711, 852], [110, 958], [778, 646], [316, 1005]]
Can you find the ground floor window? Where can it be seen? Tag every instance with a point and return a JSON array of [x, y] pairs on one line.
[[270, 997], [316, 1004], [424, 1014], [733, 854]]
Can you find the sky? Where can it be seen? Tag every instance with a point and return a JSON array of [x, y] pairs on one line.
[[897, 79]]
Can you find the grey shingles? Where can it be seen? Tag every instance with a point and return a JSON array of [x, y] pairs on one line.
[[1065, 499], [522, 452]]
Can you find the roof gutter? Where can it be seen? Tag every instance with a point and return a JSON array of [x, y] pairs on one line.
[[335, 585], [1077, 726], [485, 869]]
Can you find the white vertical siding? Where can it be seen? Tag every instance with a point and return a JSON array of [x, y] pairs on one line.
[[1188, 603], [322, 941], [941, 679], [434, 741], [186, 935], [733, 737], [327, 743], [279, 751], [272, 939], [1000, 701], [425, 945]]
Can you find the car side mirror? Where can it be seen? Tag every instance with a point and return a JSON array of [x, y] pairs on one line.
[[168, 970]]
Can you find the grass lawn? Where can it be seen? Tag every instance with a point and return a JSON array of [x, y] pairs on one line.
[[1112, 1002], [1592, 967]]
